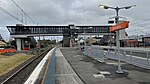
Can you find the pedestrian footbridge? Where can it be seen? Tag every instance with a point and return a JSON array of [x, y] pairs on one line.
[[21, 33]]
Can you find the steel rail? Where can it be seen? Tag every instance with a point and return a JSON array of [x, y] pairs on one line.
[[17, 72]]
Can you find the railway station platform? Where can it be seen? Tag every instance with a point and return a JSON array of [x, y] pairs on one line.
[[93, 72], [71, 66], [59, 71]]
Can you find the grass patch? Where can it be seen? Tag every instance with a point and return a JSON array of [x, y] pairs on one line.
[[8, 63]]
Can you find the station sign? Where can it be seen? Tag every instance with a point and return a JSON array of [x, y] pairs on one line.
[[119, 26]]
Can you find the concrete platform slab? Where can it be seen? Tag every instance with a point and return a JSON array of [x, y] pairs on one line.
[[64, 72], [85, 67]]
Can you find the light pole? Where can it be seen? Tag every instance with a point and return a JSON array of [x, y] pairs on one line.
[[39, 37], [117, 32], [85, 38]]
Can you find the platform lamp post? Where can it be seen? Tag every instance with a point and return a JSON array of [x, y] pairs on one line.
[[117, 32], [39, 44], [85, 38]]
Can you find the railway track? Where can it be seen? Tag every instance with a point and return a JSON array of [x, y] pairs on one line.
[[21, 75]]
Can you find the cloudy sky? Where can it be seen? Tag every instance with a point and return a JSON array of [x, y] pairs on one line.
[[47, 12]]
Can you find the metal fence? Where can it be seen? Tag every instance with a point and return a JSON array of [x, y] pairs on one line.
[[138, 58]]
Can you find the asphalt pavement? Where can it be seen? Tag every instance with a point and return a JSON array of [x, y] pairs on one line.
[[91, 71]]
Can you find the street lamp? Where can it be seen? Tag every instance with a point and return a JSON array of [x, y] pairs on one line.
[[39, 43], [85, 38], [117, 32]]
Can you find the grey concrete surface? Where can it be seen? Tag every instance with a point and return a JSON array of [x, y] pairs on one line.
[[86, 68], [64, 72]]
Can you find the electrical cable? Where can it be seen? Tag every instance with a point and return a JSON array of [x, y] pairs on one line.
[[8, 13], [139, 29], [139, 22], [136, 30], [24, 12]]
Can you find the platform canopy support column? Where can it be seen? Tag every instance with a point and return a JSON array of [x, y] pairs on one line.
[[18, 43]]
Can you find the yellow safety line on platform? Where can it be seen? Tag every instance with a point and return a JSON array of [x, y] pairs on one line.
[[47, 66]]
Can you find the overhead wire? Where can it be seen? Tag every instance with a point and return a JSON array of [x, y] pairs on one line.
[[140, 22], [24, 12], [139, 29], [146, 28], [8, 13]]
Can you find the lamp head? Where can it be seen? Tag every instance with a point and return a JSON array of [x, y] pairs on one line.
[[103, 6], [128, 7]]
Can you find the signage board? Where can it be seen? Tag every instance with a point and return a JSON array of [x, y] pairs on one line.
[[119, 26]]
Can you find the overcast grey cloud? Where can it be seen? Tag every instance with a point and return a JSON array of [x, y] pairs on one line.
[[47, 12]]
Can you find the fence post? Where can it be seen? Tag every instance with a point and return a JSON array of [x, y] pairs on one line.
[[108, 52], [147, 60], [124, 55], [97, 55], [103, 56], [87, 49], [79, 46], [115, 53], [131, 56], [90, 51]]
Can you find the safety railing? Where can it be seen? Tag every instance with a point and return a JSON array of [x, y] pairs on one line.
[[138, 58]]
